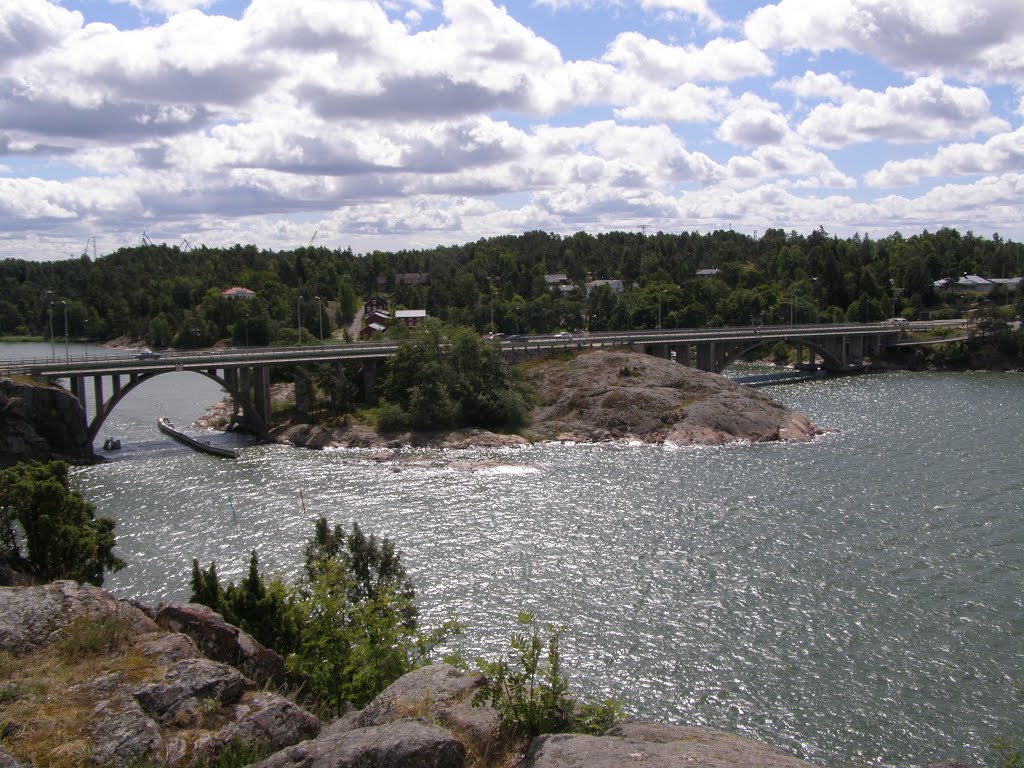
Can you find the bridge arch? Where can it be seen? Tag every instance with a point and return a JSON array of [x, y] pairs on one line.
[[104, 409], [734, 352]]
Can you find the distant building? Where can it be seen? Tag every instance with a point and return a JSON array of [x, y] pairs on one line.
[[707, 272], [1009, 283], [371, 329], [556, 279], [237, 293], [412, 278], [976, 284], [381, 316], [410, 317], [615, 285], [375, 302]]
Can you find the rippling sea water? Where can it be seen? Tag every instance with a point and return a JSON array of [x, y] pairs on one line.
[[856, 600]]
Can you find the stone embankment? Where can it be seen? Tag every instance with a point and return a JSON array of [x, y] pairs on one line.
[[42, 423]]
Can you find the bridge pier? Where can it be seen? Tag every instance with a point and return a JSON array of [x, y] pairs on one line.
[[261, 395], [370, 372]]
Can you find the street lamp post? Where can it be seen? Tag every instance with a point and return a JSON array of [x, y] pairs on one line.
[[67, 353], [53, 354], [298, 318], [659, 309], [320, 317]]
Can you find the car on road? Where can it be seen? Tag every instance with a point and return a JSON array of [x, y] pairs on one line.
[[900, 321], [147, 354], [563, 335]]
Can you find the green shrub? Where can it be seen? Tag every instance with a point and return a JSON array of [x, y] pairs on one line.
[[349, 628], [48, 530], [392, 418], [530, 692]]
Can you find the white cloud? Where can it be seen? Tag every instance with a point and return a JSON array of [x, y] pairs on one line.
[[686, 104], [1001, 153], [402, 122], [28, 27], [812, 86], [720, 60], [752, 121], [675, 8], [927, 110], [981, 40]]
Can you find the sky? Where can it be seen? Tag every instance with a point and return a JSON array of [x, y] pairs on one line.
[[412, 123]]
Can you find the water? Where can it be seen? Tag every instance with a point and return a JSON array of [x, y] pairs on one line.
[[856, 600]]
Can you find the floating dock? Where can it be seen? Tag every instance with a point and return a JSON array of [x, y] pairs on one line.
[[169, 429]]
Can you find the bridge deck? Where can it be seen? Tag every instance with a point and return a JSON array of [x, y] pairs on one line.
[[127, 363]]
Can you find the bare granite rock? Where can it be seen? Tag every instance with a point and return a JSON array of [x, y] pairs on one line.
[[187, 683], [268, 720], [621, 395], [32, 617], [223, 642], [666, 746], [198, 707], [402, 744], [441, 693], [7, 760], [42, 423], [124, 736]]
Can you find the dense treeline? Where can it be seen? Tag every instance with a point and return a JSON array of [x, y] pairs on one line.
[[171, 296]]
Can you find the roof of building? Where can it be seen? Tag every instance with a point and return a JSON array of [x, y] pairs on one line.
[[973, 281], [401, 313], [555, 278], [707, 272], [238, 291]]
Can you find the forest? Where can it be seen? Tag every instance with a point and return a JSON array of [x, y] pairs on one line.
[[169, 296]]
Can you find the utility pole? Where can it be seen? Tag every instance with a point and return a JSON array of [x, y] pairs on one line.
[[320, 316], [67, 353], [643, 229], [298, 318], [53, 354]]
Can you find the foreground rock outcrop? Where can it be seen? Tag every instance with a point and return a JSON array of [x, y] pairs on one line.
[[130, 693], [42, 423], [94, 680]]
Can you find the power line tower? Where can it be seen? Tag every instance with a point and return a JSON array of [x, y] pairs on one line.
[[643, 229]]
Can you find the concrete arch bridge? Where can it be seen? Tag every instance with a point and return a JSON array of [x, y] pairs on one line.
[[245, 373]]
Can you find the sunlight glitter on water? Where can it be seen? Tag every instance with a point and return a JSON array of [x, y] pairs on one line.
[[856, 599]]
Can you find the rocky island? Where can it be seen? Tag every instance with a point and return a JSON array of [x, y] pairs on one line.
[[604, 395]]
